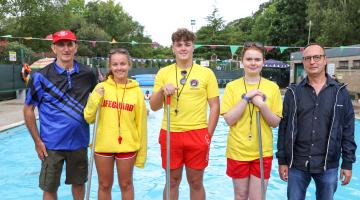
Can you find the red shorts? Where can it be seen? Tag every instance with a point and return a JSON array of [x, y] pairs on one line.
[[119, 156], [243, 169], [190, 148]]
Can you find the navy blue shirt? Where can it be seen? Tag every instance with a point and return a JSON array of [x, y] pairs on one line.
[[60, 96], [314, 121]]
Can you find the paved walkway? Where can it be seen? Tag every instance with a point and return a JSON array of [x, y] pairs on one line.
[[11, 113]]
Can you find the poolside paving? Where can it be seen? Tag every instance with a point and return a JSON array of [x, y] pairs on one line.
[[11, 114]]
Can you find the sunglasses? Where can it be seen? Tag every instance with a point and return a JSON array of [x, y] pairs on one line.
[[183, 79], [253, 44], [119, 50], [316, 58]]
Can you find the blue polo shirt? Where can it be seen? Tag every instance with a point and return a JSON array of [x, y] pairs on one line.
[[61, 96]]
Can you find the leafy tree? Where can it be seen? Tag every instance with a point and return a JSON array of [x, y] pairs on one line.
[[17, 47], [334, 22], [212, 33]]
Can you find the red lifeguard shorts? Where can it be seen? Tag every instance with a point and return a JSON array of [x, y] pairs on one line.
[[118, 156], [243, 169], [190, 148]]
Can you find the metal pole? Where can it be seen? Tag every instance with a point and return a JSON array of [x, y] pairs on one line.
[[168, 149], [88, 187], [309, 31], [263, 197]]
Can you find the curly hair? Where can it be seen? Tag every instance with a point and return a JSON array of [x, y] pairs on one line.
[[183, 34]]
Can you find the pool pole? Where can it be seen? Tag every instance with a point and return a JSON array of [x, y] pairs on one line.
[[263, 197], [88, 186], [168, 149]]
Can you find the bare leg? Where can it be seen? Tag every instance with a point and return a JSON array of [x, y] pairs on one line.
[[241, 188], [255, 187], [195, 180], [78, 191], [175, 179], [125, 168], [49, 195], [105, 170]]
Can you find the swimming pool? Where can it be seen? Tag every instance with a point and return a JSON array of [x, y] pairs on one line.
[[19, 170]]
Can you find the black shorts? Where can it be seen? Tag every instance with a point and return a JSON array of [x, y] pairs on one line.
[[51, 168]]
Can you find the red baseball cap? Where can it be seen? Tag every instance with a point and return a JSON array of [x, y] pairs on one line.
[[64, 35]]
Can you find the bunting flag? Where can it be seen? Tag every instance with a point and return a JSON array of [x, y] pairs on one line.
[[302, 49], [282, 49], [4, 43], [268, 49], [234, 48], [155, 45], [113, 41], [93, 43], [133, 42], [49, 37], [197, 46], [213, 46]]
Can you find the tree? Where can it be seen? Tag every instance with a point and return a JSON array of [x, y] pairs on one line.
[[335, 22]]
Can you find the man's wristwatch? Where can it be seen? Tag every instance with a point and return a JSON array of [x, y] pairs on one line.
[[247, 99]]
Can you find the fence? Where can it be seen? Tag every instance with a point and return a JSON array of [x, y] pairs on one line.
[[10, 80]]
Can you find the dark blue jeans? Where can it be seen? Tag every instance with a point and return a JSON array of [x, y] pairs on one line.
[[325, 182]]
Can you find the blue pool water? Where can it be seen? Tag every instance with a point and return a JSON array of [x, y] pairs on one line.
[[19, 170]]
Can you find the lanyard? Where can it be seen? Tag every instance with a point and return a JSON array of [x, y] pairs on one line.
[[118, 107], [251, 111], [177, 85]]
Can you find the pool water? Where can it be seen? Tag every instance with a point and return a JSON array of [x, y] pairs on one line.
[[19, 170]]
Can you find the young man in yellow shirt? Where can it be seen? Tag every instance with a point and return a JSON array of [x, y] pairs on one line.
[[192, 87]]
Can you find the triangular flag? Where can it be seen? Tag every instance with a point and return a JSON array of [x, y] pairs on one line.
[[133, 42], [282, 49], [4, 43], [234, 48], [268, 49], [93, 43], [155, 45], [113, 41], [197, 46], [49, 37], [302, 49], [212, 46], [7, 36]]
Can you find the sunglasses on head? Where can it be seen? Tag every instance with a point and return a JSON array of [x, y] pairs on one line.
[[253, 44], [183, 79], [119, 50]]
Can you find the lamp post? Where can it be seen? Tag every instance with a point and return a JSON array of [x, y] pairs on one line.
[[309, 32], [192, 24]]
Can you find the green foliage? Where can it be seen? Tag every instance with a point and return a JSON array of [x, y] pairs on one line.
[[334, 22], [16, 47]]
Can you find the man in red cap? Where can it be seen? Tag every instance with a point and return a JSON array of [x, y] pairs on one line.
[[60, 91]]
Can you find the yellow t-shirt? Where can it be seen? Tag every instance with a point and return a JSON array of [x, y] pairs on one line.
[[191, 100], [239, 147]]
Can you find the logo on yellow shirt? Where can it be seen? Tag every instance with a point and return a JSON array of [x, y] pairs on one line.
[[194, 83]]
